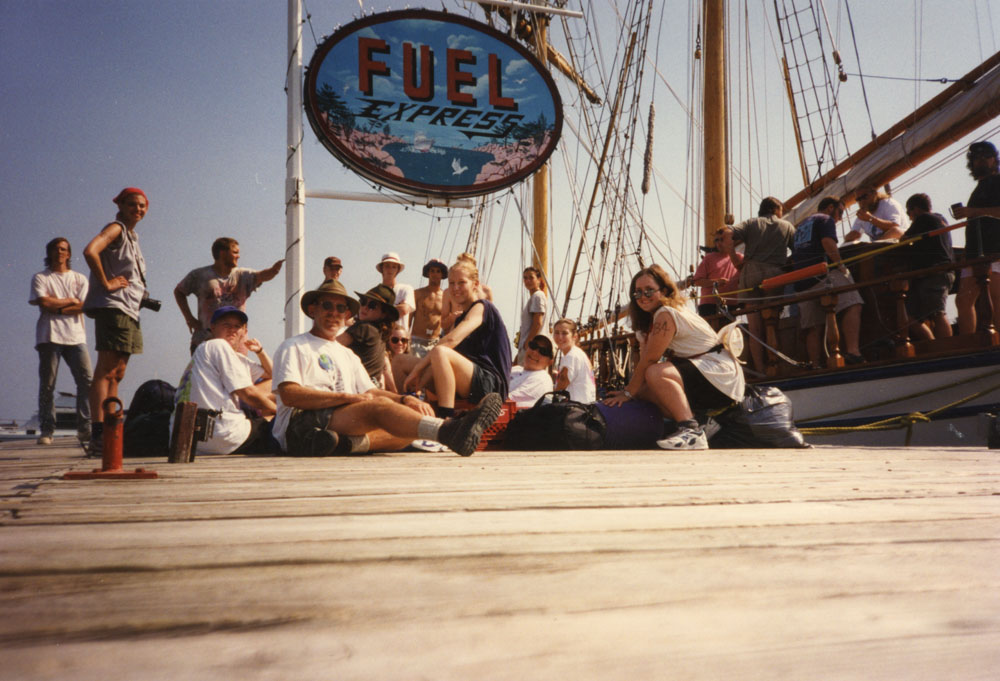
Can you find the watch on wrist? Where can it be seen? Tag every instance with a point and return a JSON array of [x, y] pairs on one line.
[[627, 393]]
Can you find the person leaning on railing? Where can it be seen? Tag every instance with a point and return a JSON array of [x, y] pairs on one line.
[[925, 302]]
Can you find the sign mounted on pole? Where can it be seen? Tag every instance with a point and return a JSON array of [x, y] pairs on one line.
[[430, 103]]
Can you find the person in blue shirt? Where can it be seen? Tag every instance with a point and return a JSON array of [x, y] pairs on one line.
[[815, 242]]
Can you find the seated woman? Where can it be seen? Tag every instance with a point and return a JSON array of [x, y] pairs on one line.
[[450, 311], [399, 344], [473, 359], [369, 335], [575, 373], [682, 365]]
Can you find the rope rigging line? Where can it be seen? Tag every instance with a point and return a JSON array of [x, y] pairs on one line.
[[857, 56]]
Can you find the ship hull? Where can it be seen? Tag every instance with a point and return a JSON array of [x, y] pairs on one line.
[[846, 400]]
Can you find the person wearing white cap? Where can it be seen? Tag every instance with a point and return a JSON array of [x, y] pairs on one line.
[[390, 267]]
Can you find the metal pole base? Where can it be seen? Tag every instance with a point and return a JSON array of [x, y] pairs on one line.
[[120, 474]]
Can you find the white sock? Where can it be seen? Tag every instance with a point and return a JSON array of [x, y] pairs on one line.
[[427, 428]]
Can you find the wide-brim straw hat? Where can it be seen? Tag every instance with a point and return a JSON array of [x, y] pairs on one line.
[[386, 296], [332, 287]]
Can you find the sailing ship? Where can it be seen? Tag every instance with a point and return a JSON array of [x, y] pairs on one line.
[[931, 392]]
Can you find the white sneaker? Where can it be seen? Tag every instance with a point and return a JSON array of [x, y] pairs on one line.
[[684, 438], [429, 446], [44, 440]]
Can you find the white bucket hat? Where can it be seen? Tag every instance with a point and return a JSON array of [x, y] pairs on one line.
[[390, 257]]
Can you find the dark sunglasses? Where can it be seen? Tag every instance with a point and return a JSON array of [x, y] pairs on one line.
[[329, 305], [371, 305], [543, 350], [645, 293], [396, 340]]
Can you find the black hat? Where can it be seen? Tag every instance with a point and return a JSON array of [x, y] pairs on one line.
[[433, 262], [385, 295], [982, 149]]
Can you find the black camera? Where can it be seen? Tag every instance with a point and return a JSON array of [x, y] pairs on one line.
[[151, 304]]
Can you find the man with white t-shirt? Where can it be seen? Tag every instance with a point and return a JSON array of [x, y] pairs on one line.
[[879, 216], [390, 267], [218, 378], [328, 405], [59, 292]]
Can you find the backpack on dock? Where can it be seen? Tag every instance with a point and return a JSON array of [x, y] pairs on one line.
[[556, 423], [146, 431]]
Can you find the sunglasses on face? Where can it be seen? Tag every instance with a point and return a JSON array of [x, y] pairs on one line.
[[329, 305], [396, 340], [371, 305], [639, 294], [543, 350]]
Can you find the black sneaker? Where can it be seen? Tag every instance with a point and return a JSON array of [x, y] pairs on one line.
[[325, 442], [95, 448], [462, 434]]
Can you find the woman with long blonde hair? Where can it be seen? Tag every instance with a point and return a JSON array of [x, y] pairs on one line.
[[473, 359]]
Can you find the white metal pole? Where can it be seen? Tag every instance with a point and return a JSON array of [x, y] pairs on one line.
[[295, 195]]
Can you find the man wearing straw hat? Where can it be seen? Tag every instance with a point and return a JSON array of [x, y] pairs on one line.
[[328, 405]]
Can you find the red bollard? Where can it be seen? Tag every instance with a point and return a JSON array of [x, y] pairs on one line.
[[114, 434], [111, 458]]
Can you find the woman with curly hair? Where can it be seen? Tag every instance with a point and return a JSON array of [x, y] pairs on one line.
[[682, 365]]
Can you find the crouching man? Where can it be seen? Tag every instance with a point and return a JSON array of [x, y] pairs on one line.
[[328, 405], [218, 377]]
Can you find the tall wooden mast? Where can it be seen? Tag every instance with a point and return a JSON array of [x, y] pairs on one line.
[[540, 183], [715, 119]]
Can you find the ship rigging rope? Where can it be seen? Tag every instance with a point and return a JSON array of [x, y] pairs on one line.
[[857, 55]]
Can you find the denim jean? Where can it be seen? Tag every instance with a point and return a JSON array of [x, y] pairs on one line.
[[78, 359]]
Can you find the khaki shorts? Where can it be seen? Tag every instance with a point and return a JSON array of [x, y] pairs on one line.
[[811, 313], [753, 273], [117, 332]]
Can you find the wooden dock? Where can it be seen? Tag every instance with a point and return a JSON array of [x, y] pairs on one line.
[[826, 563]]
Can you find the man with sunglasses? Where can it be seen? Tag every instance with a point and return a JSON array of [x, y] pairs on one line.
[[529, 382], [328, 404], [879, 216]]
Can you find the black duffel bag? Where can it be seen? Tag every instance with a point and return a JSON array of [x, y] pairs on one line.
[[556, 423]]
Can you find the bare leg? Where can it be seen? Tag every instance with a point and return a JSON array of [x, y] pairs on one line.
[[813, 345], [664, 387], [452, 375], [965, 301], [942, 327], [379, 413], [995, 298], [402, 367], [108, 373], [851, 325]]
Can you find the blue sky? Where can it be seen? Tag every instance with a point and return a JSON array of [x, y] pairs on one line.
[[185, 99]]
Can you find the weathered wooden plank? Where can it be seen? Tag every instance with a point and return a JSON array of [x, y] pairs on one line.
[[825, 563]]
